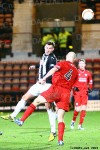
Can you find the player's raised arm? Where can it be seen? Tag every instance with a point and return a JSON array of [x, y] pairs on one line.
[[50, 73]]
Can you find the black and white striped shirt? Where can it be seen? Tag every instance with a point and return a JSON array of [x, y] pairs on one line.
[[47, 63]]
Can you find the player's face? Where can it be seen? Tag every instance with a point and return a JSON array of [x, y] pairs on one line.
[[48, 49], [82, 65]]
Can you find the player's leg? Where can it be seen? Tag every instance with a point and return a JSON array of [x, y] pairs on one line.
[[21, 104], [51, 113], [83, 110], [75, 115], [82, 116], [61, 126], [52, 119], [77, 105], [39, 100]]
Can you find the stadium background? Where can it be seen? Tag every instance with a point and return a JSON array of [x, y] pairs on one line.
[[23, 24]]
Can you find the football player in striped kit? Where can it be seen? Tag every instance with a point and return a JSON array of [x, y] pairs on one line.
[[47, 62], [81, 88]]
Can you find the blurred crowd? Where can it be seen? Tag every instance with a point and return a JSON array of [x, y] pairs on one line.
[[62, 40]]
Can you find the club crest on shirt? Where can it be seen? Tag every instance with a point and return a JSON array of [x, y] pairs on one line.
[[76, 104]]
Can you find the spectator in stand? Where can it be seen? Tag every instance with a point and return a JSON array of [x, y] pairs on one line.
[[62, 41]]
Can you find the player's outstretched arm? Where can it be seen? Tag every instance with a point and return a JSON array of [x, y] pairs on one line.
[[50, 73]]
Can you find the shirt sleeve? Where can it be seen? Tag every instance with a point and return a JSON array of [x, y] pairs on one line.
[[58, 65], [52, 62]]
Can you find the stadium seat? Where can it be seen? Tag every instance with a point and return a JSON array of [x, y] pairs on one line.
[[2, 73], [15, 87], [8, 67], [1, 87], [89, 64], [8, 15], [1, 15], [97, 15], [16, 73], [1, 24], [29, 85], [23, 87], [32, 73], [16, 67], [1, 20], [7, 80], [24, 67], [23, 80], [96, 85], [83, 6], [24, 73], [97, 6], [32, 80], [15, 81], [96, 78], [8, 74], [96, 64], [1, 44], [7, 87], [1, 80], [2, 67]]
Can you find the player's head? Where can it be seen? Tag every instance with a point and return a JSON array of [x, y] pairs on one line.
[[71, 56], [49, 47], [82, 64]]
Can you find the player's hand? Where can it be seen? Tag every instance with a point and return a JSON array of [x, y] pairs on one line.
[[32, 67], [76, 89], [89, 90], [41, 81]]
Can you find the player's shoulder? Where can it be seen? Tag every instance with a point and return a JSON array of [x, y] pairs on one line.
[[61, 62], [87, 71], [52, 56]]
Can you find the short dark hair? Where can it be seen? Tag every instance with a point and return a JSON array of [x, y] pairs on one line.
[[51, 43], [82, 60]]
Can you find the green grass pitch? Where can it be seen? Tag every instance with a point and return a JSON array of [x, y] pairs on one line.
[[33, 135]]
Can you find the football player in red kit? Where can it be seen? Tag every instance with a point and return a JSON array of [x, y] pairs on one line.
[[64, 76], [81, 89]]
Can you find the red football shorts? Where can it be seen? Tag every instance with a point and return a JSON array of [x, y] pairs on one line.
[[81, 98], [59, 95]]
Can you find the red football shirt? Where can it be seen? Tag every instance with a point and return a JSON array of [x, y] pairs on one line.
[[84, 80], [66, 75]]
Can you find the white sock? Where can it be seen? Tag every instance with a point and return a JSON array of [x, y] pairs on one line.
[[52, 120], [20, 105]]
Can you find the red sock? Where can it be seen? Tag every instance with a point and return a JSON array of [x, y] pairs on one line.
[[28, 112], [82, 116], [75, 115], [61, 127]]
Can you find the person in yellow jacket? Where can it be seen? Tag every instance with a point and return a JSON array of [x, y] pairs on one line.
[[52, 37], [62, 41]]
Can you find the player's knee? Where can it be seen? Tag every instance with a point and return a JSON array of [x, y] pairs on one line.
[[60, 119], [36, 102], [78, 109], [47, 105], [83, 107], [25, 97]]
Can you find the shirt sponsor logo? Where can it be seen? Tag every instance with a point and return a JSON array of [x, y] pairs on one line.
[[82, 80]]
